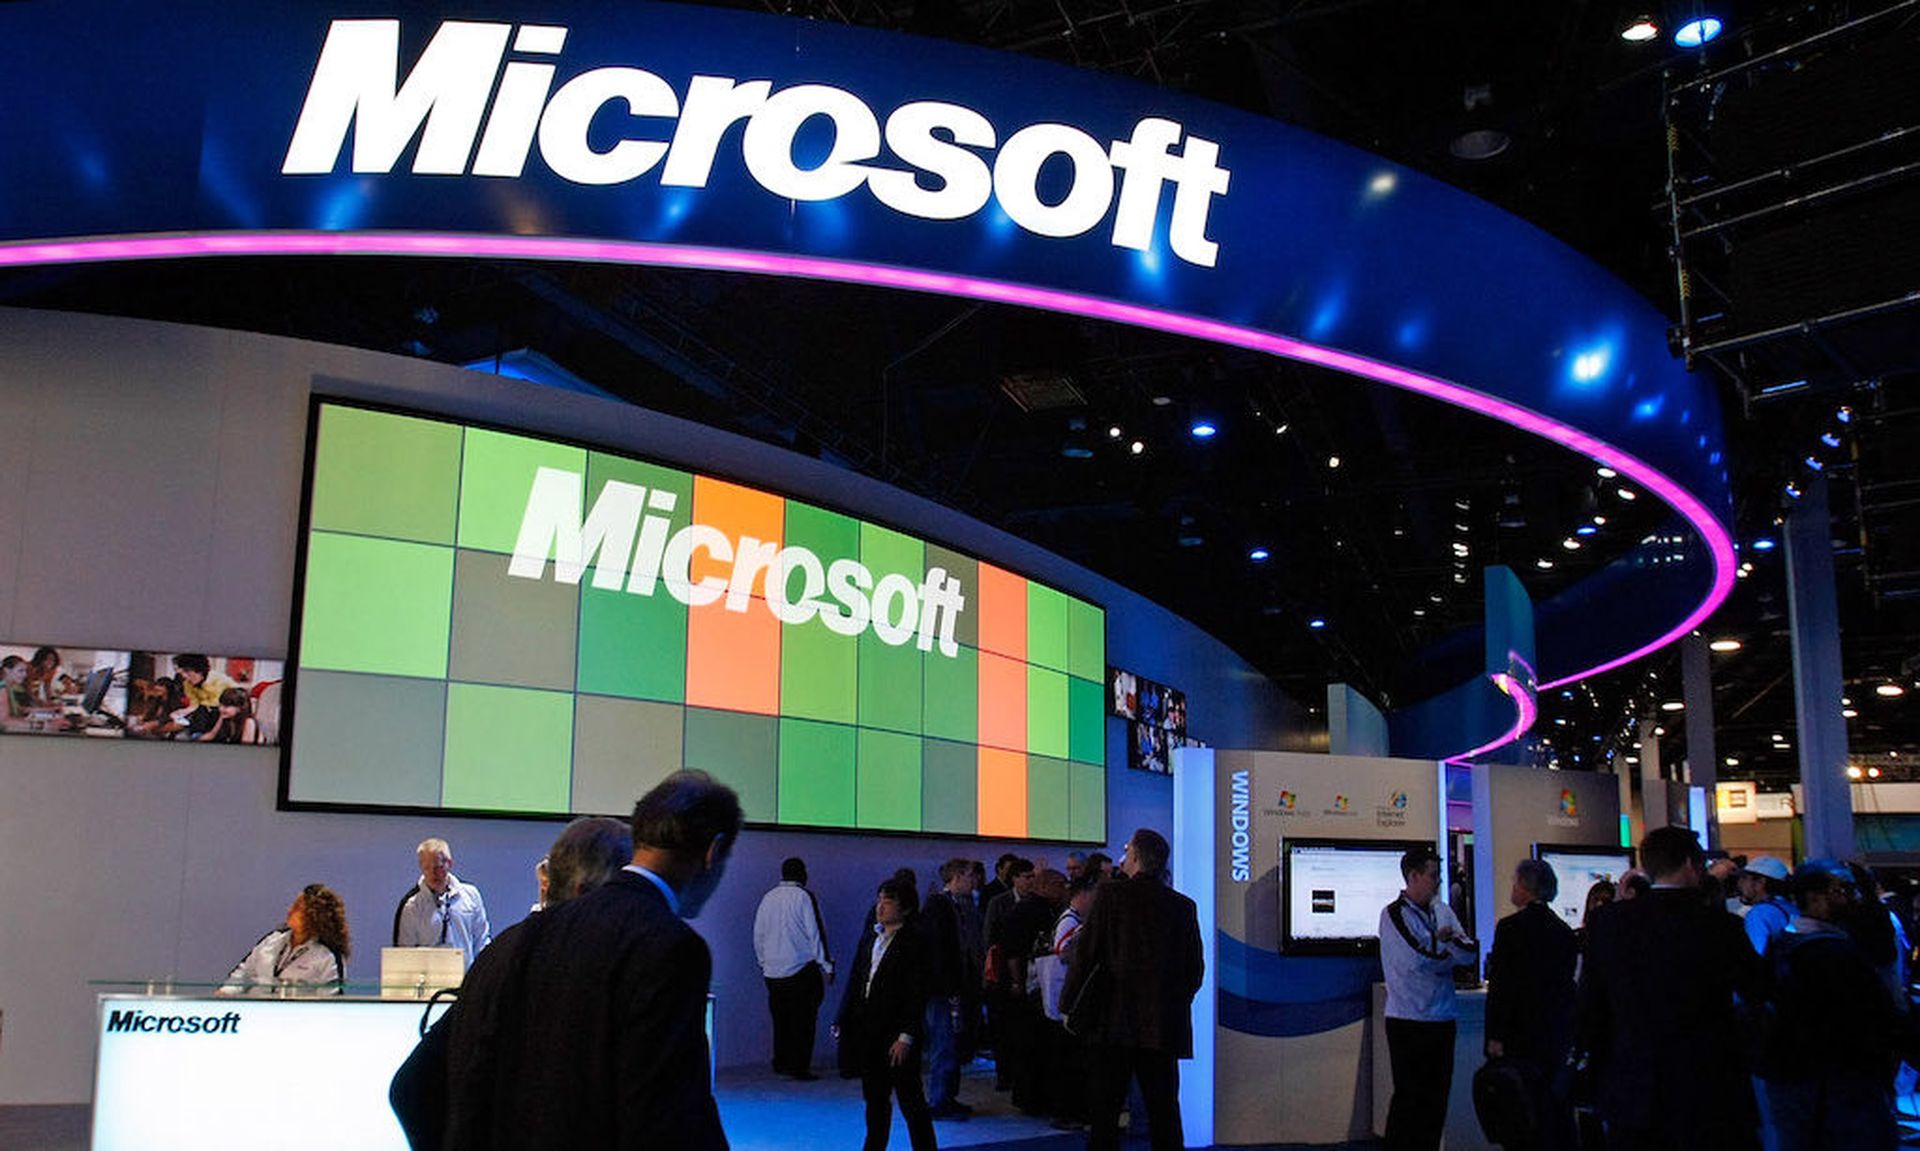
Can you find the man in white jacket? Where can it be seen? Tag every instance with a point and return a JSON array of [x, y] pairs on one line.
[[1421, 942]]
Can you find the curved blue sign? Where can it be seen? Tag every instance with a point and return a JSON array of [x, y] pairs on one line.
[[702, 138]]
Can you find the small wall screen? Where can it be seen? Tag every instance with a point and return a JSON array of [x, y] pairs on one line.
[[490, 622]]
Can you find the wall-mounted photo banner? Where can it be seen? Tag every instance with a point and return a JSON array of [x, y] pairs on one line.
[[188, 697], [191, 696], [47, 690], [1140, 699], [496, 623], [1151, 747]]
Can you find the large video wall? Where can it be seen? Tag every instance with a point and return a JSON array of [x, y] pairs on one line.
[[493, 623]]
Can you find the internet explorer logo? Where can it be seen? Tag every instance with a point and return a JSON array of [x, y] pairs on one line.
[[1398, 800]]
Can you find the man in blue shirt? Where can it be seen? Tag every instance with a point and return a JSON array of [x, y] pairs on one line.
[[1763, 888], [1421, 941]]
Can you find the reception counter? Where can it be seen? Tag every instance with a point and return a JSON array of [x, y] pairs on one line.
[[208, 1072]]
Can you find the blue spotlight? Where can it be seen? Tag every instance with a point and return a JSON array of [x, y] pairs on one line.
[[1763, 544], [1316, 623], [1694, 33], [1585, 530], [1257, 555], [1204, 430]]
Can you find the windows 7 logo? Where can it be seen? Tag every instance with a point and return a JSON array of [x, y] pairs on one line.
[[1568, 805], [1340, 803], [1398, 800], [1287, 800]]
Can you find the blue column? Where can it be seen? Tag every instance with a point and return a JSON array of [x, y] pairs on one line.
[[1813, 615], [1703, 766]]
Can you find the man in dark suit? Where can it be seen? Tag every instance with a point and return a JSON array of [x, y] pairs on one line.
[[1657, 1010], [1530, 999], [882, 1022], [597, 1037], [1143, 938], [588, 852]]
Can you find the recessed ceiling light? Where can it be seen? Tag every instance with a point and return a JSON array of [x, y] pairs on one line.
[[1543, 565], [1114, 432], [1659, 731], [1873, 773], [1849, 713], [1585, 530], [1204, 430], [1136, 447], [1571, 544], [1733, 761], [1626, 493], [1853, 771], [1673, 705], [1639, 30], [1724, 645], [1599, 521], [1162, 401], [1316, 623], [1890, 690], [1258, 554], [1633, 759], [1333, 461]]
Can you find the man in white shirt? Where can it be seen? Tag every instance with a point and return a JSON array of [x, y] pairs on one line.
[[1421, 941], [441, 911], [790, 942]]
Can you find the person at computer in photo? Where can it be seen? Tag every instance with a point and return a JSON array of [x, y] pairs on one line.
[[46, 682], [439, 910], [18, 698], [202, 686], [150, 707], [309, 950], [22, 712], [234, 722]]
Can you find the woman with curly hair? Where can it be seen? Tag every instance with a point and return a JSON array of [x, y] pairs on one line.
[[310, 949]]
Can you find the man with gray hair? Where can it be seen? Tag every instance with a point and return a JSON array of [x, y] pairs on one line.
[[1530, 996], [439, 910], [587, 854]]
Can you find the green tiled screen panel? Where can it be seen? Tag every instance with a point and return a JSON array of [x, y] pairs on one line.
[[496, 623]]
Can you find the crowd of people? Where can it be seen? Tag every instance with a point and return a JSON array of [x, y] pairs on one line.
[[1733, 1005], [1006, 967]]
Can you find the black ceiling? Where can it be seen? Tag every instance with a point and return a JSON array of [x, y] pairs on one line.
[[1028, 420]]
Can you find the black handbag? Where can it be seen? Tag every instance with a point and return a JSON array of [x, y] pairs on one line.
[[1504, 1091]]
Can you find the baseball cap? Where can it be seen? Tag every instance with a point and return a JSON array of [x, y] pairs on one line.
[[1768, 866]]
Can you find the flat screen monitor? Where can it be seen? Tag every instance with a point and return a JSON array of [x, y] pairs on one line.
[[1334, 891], [418, 972], [1578, 869]]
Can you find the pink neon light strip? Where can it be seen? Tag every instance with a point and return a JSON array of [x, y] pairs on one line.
[[1719, 542], [1525, 712]]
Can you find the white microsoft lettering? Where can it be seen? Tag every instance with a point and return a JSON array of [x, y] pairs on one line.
[[928, 159], [552, 529]]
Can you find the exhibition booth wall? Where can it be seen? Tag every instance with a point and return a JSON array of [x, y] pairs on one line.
[[1304, 857], [155, 477], [1518, 808]]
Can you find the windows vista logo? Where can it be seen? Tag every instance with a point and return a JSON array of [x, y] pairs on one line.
[[942, 160]]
